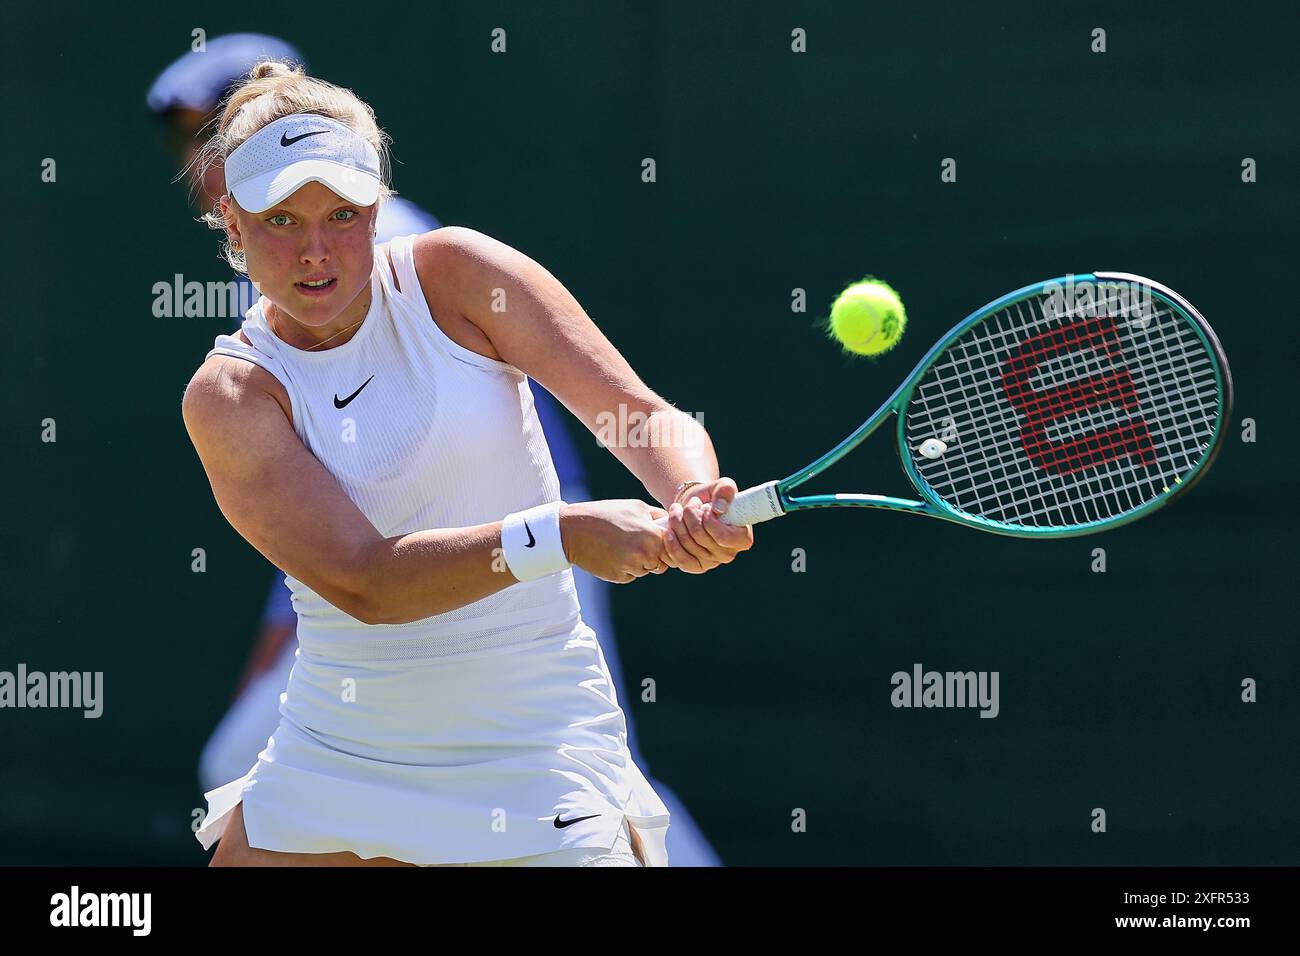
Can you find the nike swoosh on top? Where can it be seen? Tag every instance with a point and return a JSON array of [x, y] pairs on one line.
[[287, 140], [343, 402], [560, 825], [531, 540]]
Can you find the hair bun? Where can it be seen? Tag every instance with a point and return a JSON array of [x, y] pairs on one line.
[[272, 68]]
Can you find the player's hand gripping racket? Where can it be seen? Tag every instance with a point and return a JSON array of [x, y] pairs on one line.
[[1064, 408]]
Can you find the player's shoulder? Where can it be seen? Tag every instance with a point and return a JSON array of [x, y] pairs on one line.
[[447, 242], [225, 387], [458, 250]]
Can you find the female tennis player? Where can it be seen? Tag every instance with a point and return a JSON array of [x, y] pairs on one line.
[[370, 430]]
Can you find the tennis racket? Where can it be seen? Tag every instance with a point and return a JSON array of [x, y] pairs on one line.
[[1064, 408]]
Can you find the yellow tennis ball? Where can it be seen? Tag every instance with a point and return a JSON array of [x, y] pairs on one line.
[[868, 318]]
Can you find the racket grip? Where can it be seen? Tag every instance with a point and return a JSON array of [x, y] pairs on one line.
[[759, 503]]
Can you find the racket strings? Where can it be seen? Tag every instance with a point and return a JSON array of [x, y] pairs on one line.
[[1072, 508], [1064, 419], [1064, 501], [1007, 427], [1070, 425]]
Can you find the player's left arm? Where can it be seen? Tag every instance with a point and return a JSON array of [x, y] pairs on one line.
[[536, 325]]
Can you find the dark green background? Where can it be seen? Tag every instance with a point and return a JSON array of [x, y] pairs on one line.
[[775, 171]]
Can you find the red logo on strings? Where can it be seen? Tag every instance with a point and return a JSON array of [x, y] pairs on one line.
[[1041, 408]]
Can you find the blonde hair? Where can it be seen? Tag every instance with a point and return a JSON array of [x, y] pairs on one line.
[[274, 89]]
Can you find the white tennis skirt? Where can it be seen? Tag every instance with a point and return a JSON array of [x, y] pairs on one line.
[[488, 755]]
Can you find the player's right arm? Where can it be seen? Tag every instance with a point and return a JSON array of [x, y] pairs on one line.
[[285, 503]]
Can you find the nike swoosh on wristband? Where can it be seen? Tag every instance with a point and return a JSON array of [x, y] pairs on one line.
[[343, 402], [287, 140], [567, 823], [531, 540]]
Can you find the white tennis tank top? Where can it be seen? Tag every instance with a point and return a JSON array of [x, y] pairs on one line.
[[430, 435]]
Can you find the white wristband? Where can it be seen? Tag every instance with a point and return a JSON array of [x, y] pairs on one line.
[[531, 543]]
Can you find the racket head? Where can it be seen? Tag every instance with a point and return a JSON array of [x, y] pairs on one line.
[[1058, 416]]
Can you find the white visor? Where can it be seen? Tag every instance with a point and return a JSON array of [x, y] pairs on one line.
[[295, 150]]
